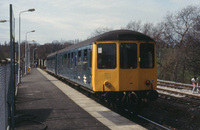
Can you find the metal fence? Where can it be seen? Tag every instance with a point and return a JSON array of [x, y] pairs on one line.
[[4, 86], [5, 95]]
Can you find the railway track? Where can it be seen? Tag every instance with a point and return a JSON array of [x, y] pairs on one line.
[[158, 125], [144, 121], [179, 96], [176, 89], [178, 92]]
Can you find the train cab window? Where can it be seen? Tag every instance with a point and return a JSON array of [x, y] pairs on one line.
[[106, 56], [128, 55], [146, 55]]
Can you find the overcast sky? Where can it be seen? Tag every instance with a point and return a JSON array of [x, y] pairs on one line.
[[77, 19]]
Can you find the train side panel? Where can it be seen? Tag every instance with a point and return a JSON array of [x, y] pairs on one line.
[[75, 65]]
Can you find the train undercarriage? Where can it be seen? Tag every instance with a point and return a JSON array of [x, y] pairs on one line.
[[129, 99]]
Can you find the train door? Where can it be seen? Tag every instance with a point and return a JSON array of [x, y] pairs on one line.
[[128, 62], [147, 66], [65, 65], [68, 65], [85, 68], [73, 74], [79, 65], [89, 72]]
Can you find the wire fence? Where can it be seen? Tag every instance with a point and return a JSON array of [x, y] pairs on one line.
[[5, 95]]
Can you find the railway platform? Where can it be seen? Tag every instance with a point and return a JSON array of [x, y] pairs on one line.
[[44, 102]]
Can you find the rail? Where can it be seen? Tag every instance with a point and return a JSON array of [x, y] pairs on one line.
[[157, 124], [176, 88], [161, 82]]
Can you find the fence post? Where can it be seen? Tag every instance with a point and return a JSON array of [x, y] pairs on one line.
[[12, 75]]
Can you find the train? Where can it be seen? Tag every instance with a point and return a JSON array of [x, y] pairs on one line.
[[118, 66]]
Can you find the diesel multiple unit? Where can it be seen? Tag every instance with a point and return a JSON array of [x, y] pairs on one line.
[[119, 65]]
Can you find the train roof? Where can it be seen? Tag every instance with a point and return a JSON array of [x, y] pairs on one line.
[[123, 35]]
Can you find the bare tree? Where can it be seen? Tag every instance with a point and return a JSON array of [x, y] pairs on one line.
[[178, 32], [99, 31], [178, 25], [135, 26]]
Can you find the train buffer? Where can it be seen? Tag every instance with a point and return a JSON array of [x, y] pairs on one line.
[[45, 102]]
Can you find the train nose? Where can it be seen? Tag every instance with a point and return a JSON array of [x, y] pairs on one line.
[[152, 95]]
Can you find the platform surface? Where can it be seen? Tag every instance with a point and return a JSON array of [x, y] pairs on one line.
[[44, 101]]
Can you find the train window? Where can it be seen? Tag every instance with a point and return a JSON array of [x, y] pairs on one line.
[[65, 59], [68, 60], [90, 62], [85, 60], [62, 60], [85, 53], [59, 60], [146, 55], [79, 61], [128, 55], [79, 56], [72, 60], [106, 56], [75, 57]]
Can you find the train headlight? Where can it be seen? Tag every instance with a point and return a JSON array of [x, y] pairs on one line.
[[107, 84], [148, 82]]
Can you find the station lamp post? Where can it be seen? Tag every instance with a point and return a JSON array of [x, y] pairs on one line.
[[29, 50], [26, 51], [19, 74], [34, 56]]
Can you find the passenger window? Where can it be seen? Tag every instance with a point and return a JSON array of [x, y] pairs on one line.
[[90, 62], [85, 60], [79, 56], [79, 61], [62, 60], [128, 55], [68, 60], [72, 60], [65, 59], [75, 57], [146, 55], [85, 55], [106, 56]]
